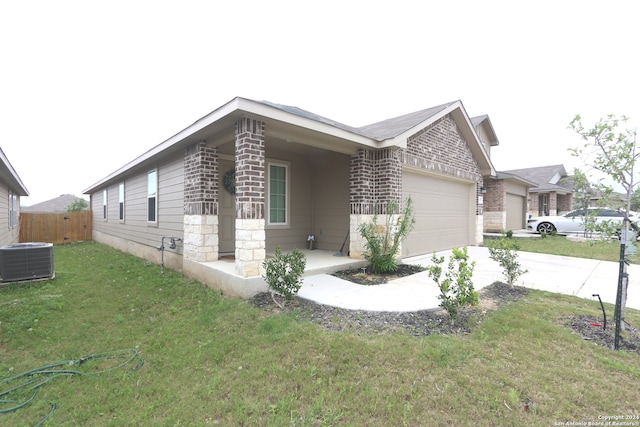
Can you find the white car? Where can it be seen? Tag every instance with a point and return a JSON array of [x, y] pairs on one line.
[[573, 222]]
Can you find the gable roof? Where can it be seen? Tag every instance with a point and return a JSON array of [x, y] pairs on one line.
[[395, 131], [486, 123], [59, 204], [547, 178], [311, 129], [9, 177], [393, 127]]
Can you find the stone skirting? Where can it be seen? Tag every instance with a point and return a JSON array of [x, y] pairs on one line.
[[357, 244], [495, 222], [200, 240], [250, 247]]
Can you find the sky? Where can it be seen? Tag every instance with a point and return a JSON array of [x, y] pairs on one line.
[[87, 86]]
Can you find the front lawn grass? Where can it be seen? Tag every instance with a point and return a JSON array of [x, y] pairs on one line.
[[606, 250], [215, 360]]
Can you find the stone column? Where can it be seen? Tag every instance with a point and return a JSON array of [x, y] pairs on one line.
[[200, 202], [250, 198]]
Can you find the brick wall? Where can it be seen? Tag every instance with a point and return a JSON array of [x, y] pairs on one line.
[[494, 198], [375, 179], [440, 148], [565, 203], [200, 179], [250, 169]]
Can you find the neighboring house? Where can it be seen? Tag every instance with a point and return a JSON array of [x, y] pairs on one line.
[[504, 195], [251, 176], [553, 192], [57, 205], [11, 189], [505, 202]]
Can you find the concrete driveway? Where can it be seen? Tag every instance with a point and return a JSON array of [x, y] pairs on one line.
[[566, 275]]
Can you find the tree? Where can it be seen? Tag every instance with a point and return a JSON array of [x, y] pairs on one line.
[[78, 205], [611, 151]]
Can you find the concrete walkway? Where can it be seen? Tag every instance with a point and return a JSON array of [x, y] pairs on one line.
[[552, 273]]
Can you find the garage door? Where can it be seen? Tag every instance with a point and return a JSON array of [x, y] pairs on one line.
[[442, 213], [515, 212]]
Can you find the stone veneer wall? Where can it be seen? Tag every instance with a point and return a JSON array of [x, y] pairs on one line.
[[201, 202], [250, 197]]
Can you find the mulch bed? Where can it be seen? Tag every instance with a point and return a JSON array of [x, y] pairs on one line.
[[591, 329], [364, 276], [427, 322], [418, 323]]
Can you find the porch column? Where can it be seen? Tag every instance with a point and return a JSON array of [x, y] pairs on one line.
[[375, 179], [200, 238], [553, 203], [250, 198]]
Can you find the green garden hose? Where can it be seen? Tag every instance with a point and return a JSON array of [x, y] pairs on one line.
[[26, 384]]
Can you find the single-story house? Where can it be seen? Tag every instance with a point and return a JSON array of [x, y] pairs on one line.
[[254, 175], [553, 190], [11, 189], [505, 195], [59, 204]]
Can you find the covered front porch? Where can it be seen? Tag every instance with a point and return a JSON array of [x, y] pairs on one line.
[[223, 274]]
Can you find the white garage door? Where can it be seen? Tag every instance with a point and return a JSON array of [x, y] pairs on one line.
[[515, 212], [443, 214]]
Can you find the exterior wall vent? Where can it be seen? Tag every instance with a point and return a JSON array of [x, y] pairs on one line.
[[26, 261]]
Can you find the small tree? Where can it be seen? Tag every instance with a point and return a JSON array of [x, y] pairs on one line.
[[456, 289], [78, 205], [612, 152], [382, 242], [283, 274], [505, 253]]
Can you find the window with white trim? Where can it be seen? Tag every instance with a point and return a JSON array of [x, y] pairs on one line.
[[13, 209], [121, 202], [104, 204], [278, 197], [152, 196]]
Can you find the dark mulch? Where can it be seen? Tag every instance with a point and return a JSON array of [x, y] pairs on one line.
[[418, 323], [364, 276], [591, 329], [427, 322]]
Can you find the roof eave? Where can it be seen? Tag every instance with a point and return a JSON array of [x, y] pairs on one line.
[[16, 183], [456, 109], [240, 107]]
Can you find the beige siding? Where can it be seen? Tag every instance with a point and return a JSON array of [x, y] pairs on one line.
[[331, 201], [300, 175], [319, 201], [484, 138], [135, 226]]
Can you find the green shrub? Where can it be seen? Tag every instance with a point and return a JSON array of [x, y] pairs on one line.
[[509, 234], [283, 273], [382, 243], [505, 253], [456, 290]]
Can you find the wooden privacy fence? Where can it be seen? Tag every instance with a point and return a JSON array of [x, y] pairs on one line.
[[55, 228]]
